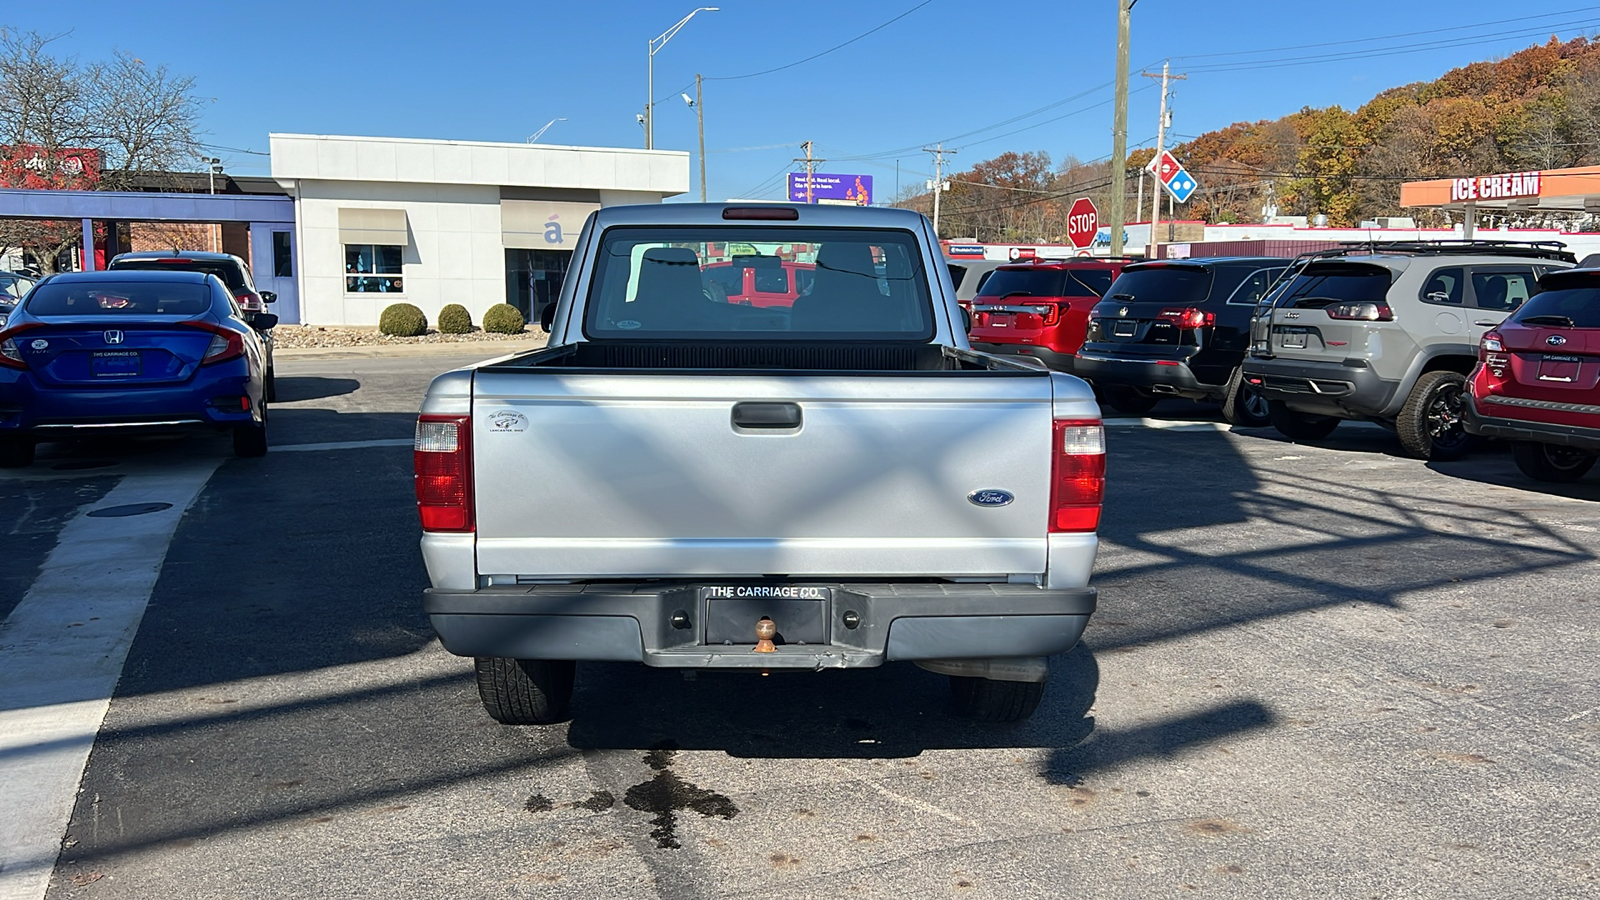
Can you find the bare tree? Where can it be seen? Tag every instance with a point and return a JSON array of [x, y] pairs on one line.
[[67, 126]]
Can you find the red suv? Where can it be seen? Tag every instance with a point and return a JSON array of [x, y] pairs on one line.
[[1537, 381], [1040, 309]]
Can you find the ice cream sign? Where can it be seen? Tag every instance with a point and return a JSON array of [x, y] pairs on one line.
[[1495, 187]]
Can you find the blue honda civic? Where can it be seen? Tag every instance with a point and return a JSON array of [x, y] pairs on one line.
[[95, 352]]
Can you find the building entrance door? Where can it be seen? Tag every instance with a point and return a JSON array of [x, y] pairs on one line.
[[272, 265], [533, 279]]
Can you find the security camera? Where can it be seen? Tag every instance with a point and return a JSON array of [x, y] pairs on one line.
[[639, 117], [687, 99]]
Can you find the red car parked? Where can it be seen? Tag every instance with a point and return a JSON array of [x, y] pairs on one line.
[[758, 280], [1041, 308], [1537, 381]]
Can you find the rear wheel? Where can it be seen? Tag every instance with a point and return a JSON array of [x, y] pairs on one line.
[[250, 441], [15, 453], [526, 691], [988, 700], [1429, 424], [1299, 426], [1552, 462], [1129, 400], [1243, 405]]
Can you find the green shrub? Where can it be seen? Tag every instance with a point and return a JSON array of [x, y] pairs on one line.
[[402, 320], [503, 318], [454, 319]]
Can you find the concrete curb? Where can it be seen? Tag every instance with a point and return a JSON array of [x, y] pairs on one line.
[[488, 349]]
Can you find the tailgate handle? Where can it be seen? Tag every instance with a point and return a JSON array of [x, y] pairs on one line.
[[771, 416]]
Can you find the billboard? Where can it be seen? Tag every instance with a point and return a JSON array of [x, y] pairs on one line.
[[826, 188]]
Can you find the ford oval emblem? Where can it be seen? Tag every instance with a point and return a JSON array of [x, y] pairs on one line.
[[1555, 340], [990, 497]]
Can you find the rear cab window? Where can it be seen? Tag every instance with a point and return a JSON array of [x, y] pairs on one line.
[[112, 298], [651, 283]]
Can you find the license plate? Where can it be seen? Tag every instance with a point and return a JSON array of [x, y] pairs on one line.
[[115, 363], [764, 592], [1294, 340], [1559, 368], [1123, 329]]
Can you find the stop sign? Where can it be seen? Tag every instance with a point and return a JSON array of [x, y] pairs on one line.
[[1082, 222]]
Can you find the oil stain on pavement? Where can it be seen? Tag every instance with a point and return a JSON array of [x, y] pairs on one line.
[[666, 794]]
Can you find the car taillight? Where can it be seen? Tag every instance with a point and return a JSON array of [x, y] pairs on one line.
[[1078, 475], [1050, 313], [1189, 317], [225, 343], [442, 460], [1364, 312], [10, 353], [248, 301], [1491, 350]]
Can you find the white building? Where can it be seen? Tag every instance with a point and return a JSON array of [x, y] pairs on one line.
[[386, 220]]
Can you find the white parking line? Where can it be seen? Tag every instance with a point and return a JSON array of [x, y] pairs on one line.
[[64, 646], [345, 445]]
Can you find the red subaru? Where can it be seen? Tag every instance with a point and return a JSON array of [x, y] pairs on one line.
[[1537, 381], [1041, 308]]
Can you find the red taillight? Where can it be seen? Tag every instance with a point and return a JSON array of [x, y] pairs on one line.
[[1050, 313], [1078, 475], [1189, 317], [1360, 312], [10, 353], [225, 344], [442, 460], [248, 301], [1491, 350]]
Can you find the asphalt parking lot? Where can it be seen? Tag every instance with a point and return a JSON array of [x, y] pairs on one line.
[[1316, 671]]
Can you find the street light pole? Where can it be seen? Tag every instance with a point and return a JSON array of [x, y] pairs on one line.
[[700, 117], [653, 46]]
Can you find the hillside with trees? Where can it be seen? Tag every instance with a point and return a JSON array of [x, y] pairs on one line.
[[1535, 109]]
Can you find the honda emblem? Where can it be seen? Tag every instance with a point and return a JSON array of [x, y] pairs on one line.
[[113, 337]]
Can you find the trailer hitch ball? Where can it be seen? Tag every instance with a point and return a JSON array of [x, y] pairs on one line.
[[766, 630]]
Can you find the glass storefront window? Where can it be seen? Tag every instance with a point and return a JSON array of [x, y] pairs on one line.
[[372, 269], [533, 279]]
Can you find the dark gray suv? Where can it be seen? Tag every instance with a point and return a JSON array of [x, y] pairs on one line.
[[1388, 333]]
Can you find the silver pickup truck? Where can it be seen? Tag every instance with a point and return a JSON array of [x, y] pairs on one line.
[[819, 476]]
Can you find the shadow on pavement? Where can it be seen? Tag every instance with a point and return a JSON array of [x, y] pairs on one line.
[[299, 388]]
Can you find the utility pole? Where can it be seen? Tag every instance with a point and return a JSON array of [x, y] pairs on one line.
[[1119, 129], [938, 185], [811, 163], [1161, 138], [700, 111]]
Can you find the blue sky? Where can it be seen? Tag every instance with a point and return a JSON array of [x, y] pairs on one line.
[[951, 69]]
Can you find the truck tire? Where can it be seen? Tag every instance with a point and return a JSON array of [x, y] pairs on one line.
[[525, 691], [988, 700], [1299, 426], [15, 453], [1429, 424], [1552, 462], [1243, 405], [1128, 400]]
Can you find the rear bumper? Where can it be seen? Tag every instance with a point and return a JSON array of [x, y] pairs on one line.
[[1168, 377], [1060, 362], [635, 623], [1329, 389], [1476, 422], [49, 412]]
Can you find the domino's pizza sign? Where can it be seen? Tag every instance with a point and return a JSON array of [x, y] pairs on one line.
[[1174, 177]]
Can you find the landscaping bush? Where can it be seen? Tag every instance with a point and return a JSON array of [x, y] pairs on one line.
[[402, 320], [454, 319], [503, 318]]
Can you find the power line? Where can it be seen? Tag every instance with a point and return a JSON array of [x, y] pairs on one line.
[[825, 52], [1286, 62], [1386, 37]]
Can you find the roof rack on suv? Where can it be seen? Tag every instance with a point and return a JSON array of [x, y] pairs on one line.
[[1057, 260], [1555, 250]]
